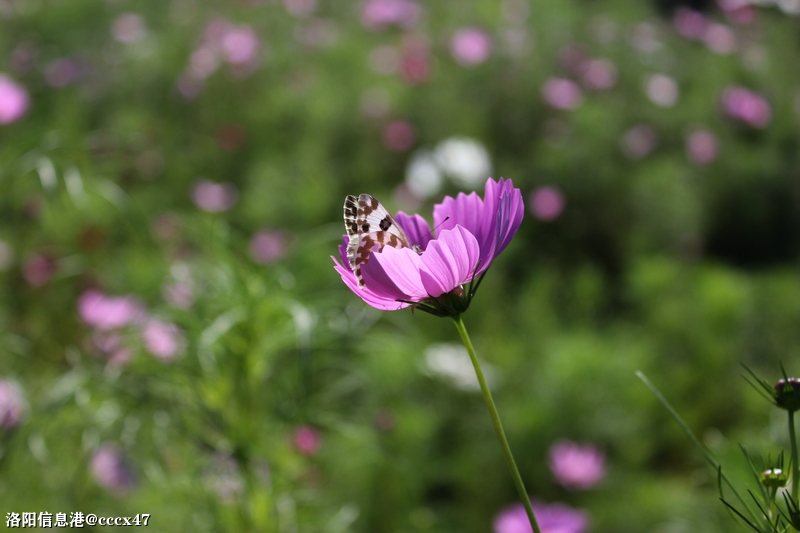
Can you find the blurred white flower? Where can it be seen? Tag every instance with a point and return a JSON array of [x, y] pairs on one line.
[[451, 363], [423, 177], [662, 90], [465, 161]]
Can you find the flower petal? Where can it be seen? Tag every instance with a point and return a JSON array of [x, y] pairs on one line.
[[416, 228], [377, 301], [465, 210], [449, 261], [395, 272]]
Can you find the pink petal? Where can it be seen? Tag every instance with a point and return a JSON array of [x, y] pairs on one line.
[[378, 302], [395, 272], [449, 261], [416, 227]]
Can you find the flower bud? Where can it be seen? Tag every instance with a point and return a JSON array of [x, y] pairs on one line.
[[787, 394], [774, 478]]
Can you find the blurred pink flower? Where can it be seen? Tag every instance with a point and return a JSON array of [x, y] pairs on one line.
[[240, 45], [571, 58], [307, 440], [62, 72], [380, 14], [701, 146], [14, 100], [300, 8], [415, 64], [552, 518], [662, 90], [108, 312], [128, 28], [547, 203], [162, 339], [690, 23], [38, 270], [638, 141], [576, 467], [720, 38], [179, 293], [562, 93], [12, 404], [111, 470], [23, 57], [598, 74], [399, 136], [214, 197], [738, 11], [746, 106], [267, 246], [203, 62], [470, 46]]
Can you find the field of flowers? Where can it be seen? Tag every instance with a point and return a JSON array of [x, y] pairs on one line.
[[176, 339]]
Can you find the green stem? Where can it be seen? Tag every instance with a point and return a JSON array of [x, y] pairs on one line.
[[498, 427], [795, 466]]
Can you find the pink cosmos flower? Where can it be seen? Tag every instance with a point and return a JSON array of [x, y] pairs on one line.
[[111, 470], [746, 106], [162, 339], [547, 203], [470, 46], [14, 100], [562, 93], [598, 74], [214, 197], [553, 518], [690, 23], [399, 136], [12, 404], [108, 312], [267, 246], [701, 146], [380, 14], [128, 28], [471, 232], [38, 270], [576, 467], [307, 440]]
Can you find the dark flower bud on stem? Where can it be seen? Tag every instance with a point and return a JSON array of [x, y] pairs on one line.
[[787, 394]]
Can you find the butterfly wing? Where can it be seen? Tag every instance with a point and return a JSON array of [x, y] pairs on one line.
[[369, 227]]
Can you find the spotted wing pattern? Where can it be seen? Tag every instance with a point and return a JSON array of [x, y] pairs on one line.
[[370, 227]]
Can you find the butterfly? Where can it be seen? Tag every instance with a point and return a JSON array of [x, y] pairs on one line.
[[370, 227]]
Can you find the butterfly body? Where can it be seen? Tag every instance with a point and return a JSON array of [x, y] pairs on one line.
[[370, 227]]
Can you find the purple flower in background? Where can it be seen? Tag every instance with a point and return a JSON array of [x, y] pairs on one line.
[[471, 232], [111, 470], [577, 467], [240, 45], [179, 293], [690, 23], [300, 8], [214, 197], [720, 38], [415, 63], [128, 28], [470, 46], [547, 203], [108, 312], [399, 136], [380, 14], [38, 270], [746, 106], [598, 74], [638, 141], [306, 440], [12, 404], [701, 146], [662, 90], [562, 93], [553, 518], [62, 72], [267, 246], [162, 339], [14, 100]]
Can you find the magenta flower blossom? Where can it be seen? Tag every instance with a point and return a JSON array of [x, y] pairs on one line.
[[111, 470], [267, 246], [562, 93], [380, 14], [162, 339], [14, 100], [470, 46], [214, 197], [547, 203], [12, 404], [471, 232], [577, 467], [553, 518], [746, 106], [701, 146], [306, 440], [108, 312]]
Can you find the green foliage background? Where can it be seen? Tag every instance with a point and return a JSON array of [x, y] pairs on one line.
[[658, 264]]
